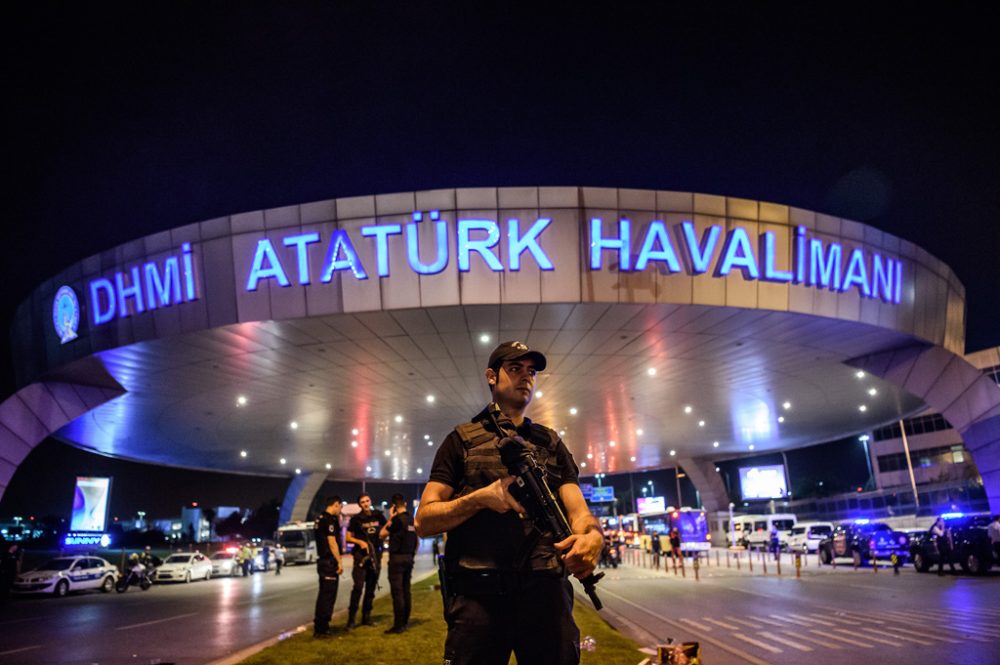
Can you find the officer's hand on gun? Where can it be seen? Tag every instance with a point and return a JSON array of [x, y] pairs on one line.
[[582, 552], [498, 498]]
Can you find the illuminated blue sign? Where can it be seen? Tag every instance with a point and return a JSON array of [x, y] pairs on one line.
[[66, 314], [602, 495], [86, 538]]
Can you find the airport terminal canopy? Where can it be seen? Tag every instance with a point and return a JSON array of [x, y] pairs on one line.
[[345, 338]]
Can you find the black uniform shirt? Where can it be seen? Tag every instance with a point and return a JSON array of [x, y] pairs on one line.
[[402, 534], [327, 525], [367, 528]]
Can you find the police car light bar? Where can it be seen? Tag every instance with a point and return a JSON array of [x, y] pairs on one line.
[[951, 516]]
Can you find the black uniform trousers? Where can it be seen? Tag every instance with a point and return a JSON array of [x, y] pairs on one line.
[[329, 580], [536, 623], [400, 571], [366, 578]]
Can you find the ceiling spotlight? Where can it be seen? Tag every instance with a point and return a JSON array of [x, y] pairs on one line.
[[368, 469], [329, 466], [863, 408], [420, 471], [562, 432], [701, 423], [399, 419], [430, 443], [293, 425], [651, 371], [572, 411], [539, 393], [786, 406], [688, 409], [717, 469], [354, 431], [583, 465], [638, 432], [611, 443], [751, 446], [715, 444], [354, 444], [781, 419], [859, 374], [427, 437], [298, 471], [632, 459], [241, 400], [673, 452], [430, 399], [283, 460], [388, 453], [872, 392], [243, 453], [590, 455], [484, 338]]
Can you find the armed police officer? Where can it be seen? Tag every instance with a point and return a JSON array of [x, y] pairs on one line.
[[362, 532], [328, 564], [506, 580], [402, 546]]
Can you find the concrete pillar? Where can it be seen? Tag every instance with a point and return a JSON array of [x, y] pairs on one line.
[[299, 497], [706, 480]]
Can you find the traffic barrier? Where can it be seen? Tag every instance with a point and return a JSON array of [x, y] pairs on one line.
[[750, 561], [779, 564], [798, 565], [737, 560], [728, 564], [717, 559], [694, 563], [763, 562]]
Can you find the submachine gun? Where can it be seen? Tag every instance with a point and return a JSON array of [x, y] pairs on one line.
[[533, 492]]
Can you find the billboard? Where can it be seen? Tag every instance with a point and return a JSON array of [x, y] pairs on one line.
[[602, 494], [90, 504], [653, 504], [763, 482]]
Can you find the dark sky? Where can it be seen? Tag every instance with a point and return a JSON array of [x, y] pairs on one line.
[[122, 119]]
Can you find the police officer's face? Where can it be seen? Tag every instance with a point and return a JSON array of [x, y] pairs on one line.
[[334, 508], [514, 382], [366, 504]]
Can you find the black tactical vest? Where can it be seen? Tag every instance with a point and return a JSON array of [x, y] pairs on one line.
[[499, 541]]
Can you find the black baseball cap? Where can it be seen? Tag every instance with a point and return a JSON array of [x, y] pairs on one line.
[[516, 351]]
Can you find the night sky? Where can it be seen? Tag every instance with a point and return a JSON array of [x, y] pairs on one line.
[[126, 119]]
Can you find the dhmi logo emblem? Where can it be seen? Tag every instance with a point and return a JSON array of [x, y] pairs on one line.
[[66, 314]]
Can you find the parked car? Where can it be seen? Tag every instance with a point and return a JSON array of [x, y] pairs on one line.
[[971, 542], [861, 540], [225, 563], [63, 574], [184, 567], [806, 536]]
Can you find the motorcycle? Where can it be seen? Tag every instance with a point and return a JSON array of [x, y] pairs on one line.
[[137, 575]]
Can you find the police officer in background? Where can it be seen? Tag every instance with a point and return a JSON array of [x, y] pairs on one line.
[[328, 564], [506, 580], [402, 546], [362, 532]]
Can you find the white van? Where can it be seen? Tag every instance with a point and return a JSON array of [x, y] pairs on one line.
[[755, 530], [805, 536]]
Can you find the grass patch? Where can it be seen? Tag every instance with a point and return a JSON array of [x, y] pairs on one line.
[[423, 643]]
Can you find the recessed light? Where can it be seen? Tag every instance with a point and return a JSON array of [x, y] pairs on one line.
[[611, 443], [420, 470], [329, 466], [590, 455], [293, 425], [539, 394], [786, 406], [688, 409], [673, 452], [399, 419], [562, 432], [430, 399], [298, 471], [388, 453], [717, 469], [430, 443], [572, 411], [701, 423], [368, 469], [243, 453], [354, 431], [862, 408], [427, 437], [751, 446], [241, 400], [651, 371], [583, 465], [283, 460], [354, 444], [484, 338], [638, 432], [632, 459], [872, 392], [859, 374], [715, 444], [781, 419]]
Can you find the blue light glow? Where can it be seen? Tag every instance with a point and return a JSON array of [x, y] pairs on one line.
[[622, 243], [737, 252], [824, 271], [529, 241], [856, 274], [301, 244], [883, 278], [952, 516], [656, 235], [862, 520], [482, 247], [413, 247], [340, 243], [381, 234], [701, 253], [772, 274], [163, 291], [272, 270], [133, 290], [102, 291]]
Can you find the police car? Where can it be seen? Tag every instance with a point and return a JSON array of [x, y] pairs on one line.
[[971, 541], [862, 540], [63, 574]]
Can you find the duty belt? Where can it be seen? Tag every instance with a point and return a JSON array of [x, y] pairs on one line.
[[490, 582]]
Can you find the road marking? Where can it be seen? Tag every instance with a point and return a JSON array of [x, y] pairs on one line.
[[721, 624], [881, 640], [697, 625], [861, 617], [741, 654], [798, 622], [828, 645], [150, 623], [842, 639], [786, 642], [7, 653], [849, 622], [976, 630], [757, 643], [750, 624], [932, 636], [821, 622], [887, 632]]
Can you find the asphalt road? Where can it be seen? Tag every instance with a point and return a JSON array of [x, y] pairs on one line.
[[738, 616], [188, 624], [826, 616]]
